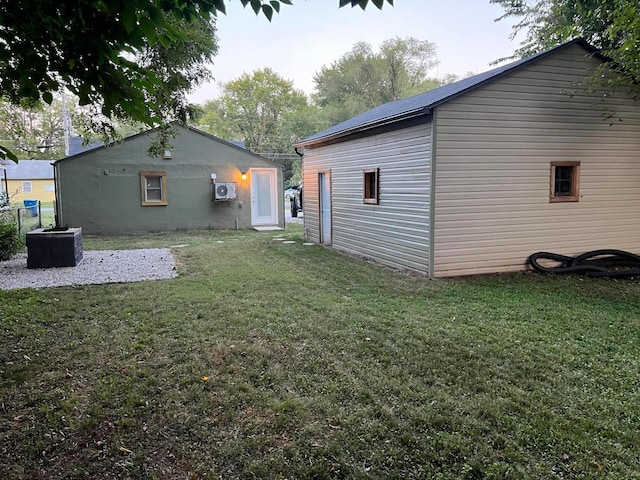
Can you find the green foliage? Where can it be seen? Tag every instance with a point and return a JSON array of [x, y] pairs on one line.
[[10, 240], [263, 110], [296, 173], [93, 49], [363, 3], [33, 130], [213, 121], [613, 26], [256, 104], [7, 154], [363, 79]]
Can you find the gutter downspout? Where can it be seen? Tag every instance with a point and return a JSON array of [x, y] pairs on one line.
[[6, 183], [56, 206], [301, 155]]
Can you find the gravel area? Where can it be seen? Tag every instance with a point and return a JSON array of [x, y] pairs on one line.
[[97, 266]]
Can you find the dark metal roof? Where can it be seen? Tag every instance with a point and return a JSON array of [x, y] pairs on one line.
[[76, 145], [423, 103]]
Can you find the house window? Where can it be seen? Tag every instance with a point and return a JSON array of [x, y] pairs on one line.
[[565, 181], [371, 186], [26, 187], [153, 188], [49, 187]]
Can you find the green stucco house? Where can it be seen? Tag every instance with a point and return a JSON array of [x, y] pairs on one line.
[[202, 182]]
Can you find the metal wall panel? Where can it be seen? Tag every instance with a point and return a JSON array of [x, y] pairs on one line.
[[394, 232], [493, 153]]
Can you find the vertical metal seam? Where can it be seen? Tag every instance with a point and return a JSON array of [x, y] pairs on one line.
[[432, 192]]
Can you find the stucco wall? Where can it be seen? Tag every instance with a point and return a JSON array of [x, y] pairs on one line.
[[100, 190]]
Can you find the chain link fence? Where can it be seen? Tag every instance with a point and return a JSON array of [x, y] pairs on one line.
[[26, 218]]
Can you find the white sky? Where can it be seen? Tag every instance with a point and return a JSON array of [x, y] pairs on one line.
[[312, 33]]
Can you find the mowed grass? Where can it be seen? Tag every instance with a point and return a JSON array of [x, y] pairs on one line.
[[271, 360]]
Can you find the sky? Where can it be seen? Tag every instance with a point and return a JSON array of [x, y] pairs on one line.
[[303, 38]]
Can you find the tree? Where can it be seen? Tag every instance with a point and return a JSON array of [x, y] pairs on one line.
[[33, 130], [89, 47], [213, 120], [613, 26], [263, 110], [178, 68], [362, 79]]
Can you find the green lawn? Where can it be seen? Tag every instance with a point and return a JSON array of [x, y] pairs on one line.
[[271, 360]]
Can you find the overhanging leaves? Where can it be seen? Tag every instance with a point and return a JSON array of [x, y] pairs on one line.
[[87, 47]]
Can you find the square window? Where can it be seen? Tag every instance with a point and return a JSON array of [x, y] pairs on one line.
[[565, 182], [371, 186], [153, 188]]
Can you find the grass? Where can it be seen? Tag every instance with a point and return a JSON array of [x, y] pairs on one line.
[[272, 360]]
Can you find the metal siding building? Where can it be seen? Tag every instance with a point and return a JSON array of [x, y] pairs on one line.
[[396, 230], [466, 188]]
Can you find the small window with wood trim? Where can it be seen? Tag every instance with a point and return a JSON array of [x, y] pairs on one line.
[[565, 182], [371, 185], [153, 188]]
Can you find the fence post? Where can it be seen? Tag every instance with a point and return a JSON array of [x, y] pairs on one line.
[[19, 221], [39, 214]]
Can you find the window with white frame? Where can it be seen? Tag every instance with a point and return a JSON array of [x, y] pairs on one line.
[[153, 188], [26, 186]]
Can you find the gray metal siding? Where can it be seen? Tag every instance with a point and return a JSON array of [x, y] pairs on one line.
[[494, 148], [394, 232]]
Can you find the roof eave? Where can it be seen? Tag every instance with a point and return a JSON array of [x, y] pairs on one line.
[[367, 126]]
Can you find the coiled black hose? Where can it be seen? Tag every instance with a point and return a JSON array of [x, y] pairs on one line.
[[597, 263]]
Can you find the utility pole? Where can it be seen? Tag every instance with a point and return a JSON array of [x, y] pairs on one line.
[[66, 123]]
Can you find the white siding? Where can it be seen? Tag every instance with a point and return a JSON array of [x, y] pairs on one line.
[[396, 231], [493, 153]]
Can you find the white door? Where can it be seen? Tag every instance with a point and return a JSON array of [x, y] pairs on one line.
[[324, 180], [264, 189]]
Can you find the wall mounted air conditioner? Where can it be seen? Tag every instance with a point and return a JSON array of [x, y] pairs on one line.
[[224, 191]]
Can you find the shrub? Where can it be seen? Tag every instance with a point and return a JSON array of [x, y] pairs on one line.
[[10, 240]]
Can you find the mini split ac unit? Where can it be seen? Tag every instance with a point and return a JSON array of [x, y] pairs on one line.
[[224, 191]]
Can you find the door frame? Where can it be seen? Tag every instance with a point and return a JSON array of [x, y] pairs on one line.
[[273, 220], [324, 187]]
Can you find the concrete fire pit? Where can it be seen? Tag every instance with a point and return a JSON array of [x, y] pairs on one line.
[[54, 247]]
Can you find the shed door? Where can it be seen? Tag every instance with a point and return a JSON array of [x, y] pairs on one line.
[[264, 205], [324, 180]]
